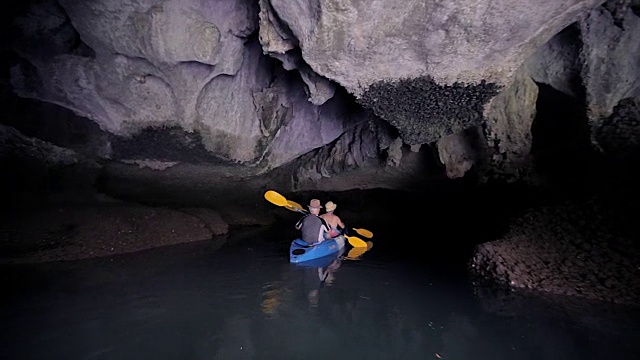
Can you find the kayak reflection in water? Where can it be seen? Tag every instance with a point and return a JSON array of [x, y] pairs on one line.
[[318, 278], [300, 280]]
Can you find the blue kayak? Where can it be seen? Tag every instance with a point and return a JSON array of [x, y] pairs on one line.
[[300, 251]]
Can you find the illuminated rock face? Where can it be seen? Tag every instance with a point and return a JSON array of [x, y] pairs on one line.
[[359, 44], [261, 83], [223, 97], [198, 66]]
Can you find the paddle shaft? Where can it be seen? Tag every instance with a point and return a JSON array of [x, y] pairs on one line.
[[277, 199]]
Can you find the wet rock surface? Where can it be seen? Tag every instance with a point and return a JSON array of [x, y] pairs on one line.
[[575, 249], [63, 232]]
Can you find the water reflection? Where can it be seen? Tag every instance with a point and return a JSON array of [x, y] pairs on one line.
[[250, 303], [356, 252], [306, 277]]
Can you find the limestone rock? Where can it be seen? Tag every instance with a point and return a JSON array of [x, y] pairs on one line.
[[359, 44], [275, 37], [163, 32], [570, 249], [510, 117], [458, 153], [611, 69], [212, 219], [557, 63]]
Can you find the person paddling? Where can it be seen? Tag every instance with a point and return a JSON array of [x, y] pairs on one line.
[[314, 229], [336, 226]]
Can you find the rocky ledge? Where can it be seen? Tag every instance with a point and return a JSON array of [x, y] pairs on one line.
[[567, 249], [68, 231]]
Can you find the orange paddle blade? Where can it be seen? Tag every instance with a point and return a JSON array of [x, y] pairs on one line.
[[356, 252], [364, 232], [356, 241], [294, 206], [275, 198]]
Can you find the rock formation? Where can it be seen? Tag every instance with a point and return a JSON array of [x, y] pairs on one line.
[[328, 95]]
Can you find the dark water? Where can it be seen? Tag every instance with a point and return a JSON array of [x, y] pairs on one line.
[[245, 301]]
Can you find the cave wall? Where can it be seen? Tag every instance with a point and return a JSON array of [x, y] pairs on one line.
[[268, 86], [554, 135], [157, 65]]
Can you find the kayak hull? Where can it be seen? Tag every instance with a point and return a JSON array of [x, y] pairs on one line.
[[300, 252]]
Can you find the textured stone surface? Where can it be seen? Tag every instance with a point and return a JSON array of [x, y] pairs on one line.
[[354, 149], [54, 124], [32, 169], [79, 232], [163, 144], [458, 152], [49, 32], [202, 98], [14, 144], [318, 88], [163, 32], [557, 63], [611, 65], [226, 112], [212, 220], [360, 43], [570, 249], [429, 69], [296, 126], [231, 101], [278, 41], [275, 37], [375, 49], [619, 134], [141, 75], [507, 131], [424, 111]]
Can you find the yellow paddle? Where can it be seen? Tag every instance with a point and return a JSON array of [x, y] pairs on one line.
[[356, 241], [364, 232], [356, 252], [277, 199], [294, 206]]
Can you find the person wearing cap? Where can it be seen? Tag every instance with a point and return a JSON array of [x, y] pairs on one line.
[[314, 229], [336, 226]]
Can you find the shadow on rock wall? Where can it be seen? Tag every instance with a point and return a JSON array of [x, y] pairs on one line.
[[561, 140]]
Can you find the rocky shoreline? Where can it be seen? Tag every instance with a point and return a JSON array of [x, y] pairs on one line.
[[75, 231], [573, 249]]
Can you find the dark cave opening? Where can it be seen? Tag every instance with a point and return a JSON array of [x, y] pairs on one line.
[[561, 146]]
